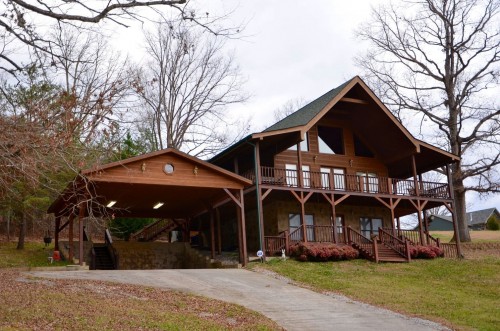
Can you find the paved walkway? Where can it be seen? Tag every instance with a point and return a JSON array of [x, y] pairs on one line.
[[292, 307]]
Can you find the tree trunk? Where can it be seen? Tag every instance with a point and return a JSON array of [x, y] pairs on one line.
[[460, 206], [22, 233]]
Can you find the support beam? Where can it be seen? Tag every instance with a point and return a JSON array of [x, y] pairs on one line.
[[56, 233], [70, 249], [212, 235], [219, 235], [241, 221], [414, 170], [81, 214]]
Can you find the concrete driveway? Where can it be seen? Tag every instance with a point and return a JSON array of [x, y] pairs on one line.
[[292, 307]]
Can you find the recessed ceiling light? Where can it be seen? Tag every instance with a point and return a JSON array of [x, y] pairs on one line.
[[111, 203], [158, 205]]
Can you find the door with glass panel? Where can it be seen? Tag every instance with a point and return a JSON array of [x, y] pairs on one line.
[[367, 182], [338, 178], [294, 224], [369, 226], [291, 175]]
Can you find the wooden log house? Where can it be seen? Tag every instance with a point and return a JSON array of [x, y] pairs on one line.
[[341, 169]]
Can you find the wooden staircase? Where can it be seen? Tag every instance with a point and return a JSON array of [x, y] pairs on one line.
[[154, 230], [387, 254], [102, 258]]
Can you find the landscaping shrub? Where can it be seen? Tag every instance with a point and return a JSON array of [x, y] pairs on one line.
[[321, 252], [492, 224], [426, 252]]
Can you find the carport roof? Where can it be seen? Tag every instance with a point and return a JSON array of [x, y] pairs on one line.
[[184, 184]]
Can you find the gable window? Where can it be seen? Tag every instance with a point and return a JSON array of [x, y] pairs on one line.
[[360, 149], [330, 140], [304, 144]]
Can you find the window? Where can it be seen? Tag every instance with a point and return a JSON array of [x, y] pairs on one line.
[[367, 182], [369, 226], [360, 148], [291, 175], [294, 224], [304, 144], [339, 223], [330, 140], [338, 178]]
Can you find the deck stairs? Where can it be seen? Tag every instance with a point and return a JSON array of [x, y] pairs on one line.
[[154, 230], [103, 259], [387, 254]]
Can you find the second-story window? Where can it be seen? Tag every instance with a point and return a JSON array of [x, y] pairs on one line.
[[304, 144], [330, 140]]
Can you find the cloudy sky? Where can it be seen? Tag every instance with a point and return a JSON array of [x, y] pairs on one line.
[[294, 50]]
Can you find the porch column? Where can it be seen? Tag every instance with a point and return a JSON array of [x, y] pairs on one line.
[[219, 236], [426, 225], [420, 227], [300, 179], [399, 226], [303, 216], [241, 222], [334, 216], [56, 233], [212, 234], [81, 214], [414, 170], [260, 211], [70, 234]]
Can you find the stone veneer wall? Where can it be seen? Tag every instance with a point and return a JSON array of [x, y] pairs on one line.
[[158, 255]]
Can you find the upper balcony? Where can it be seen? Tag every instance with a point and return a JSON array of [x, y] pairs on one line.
[[370, 185]]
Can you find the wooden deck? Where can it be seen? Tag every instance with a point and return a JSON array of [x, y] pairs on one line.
[[285, 178]]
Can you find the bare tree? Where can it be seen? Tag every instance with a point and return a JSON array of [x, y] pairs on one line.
[[437, 63], [288, 107], [21, 22], [186, 87]]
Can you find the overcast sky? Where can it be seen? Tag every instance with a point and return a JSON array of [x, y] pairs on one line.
[[295, 50]]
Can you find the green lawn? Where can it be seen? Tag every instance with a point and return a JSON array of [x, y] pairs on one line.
[[462, 294], [34, 254]]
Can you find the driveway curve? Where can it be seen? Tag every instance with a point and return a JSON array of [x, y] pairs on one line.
[[292, 307]]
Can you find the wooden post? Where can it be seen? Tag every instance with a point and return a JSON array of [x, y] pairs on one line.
[[219, 235], [81, 214], [241, 220], [420, 227], [303, 217], [300, 177], [260, 211], [399, 226], [414, 169], [212, 234], [70, 234], [334, 216], [56, 233], [375, 250], [287, 243], [453, 213]]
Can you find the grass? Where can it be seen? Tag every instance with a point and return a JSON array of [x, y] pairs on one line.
[[461, 294], [34, 254], [484, 236]]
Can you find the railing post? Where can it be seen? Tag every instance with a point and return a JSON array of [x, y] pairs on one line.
[[407, 248], [438, 242], [287, 243], [375, 250]]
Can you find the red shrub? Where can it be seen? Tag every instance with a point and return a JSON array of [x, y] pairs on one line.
[[425, 252], [322, 252]]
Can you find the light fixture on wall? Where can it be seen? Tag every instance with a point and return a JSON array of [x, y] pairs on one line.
[[350, 163], [143, 166], [158, 205], [195, 170], [111, 203]]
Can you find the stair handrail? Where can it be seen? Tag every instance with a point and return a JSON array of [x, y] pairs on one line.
[[294, 234], [150, 230], [402, 247], [146, 228], [436, 241], [365, 245], [108, 240]]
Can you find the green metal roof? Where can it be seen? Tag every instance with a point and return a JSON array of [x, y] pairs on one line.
[[305, 114]]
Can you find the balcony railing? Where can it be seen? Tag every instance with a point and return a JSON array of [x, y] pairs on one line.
[[349, 183]]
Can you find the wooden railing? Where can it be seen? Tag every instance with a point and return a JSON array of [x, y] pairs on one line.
[[366, 246], [349, 183], [274, 244], [396, 244], [411, 235], [112, 251], [450, 250], [154, 229]]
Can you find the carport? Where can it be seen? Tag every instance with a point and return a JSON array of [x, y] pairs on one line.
[[162, 184]]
